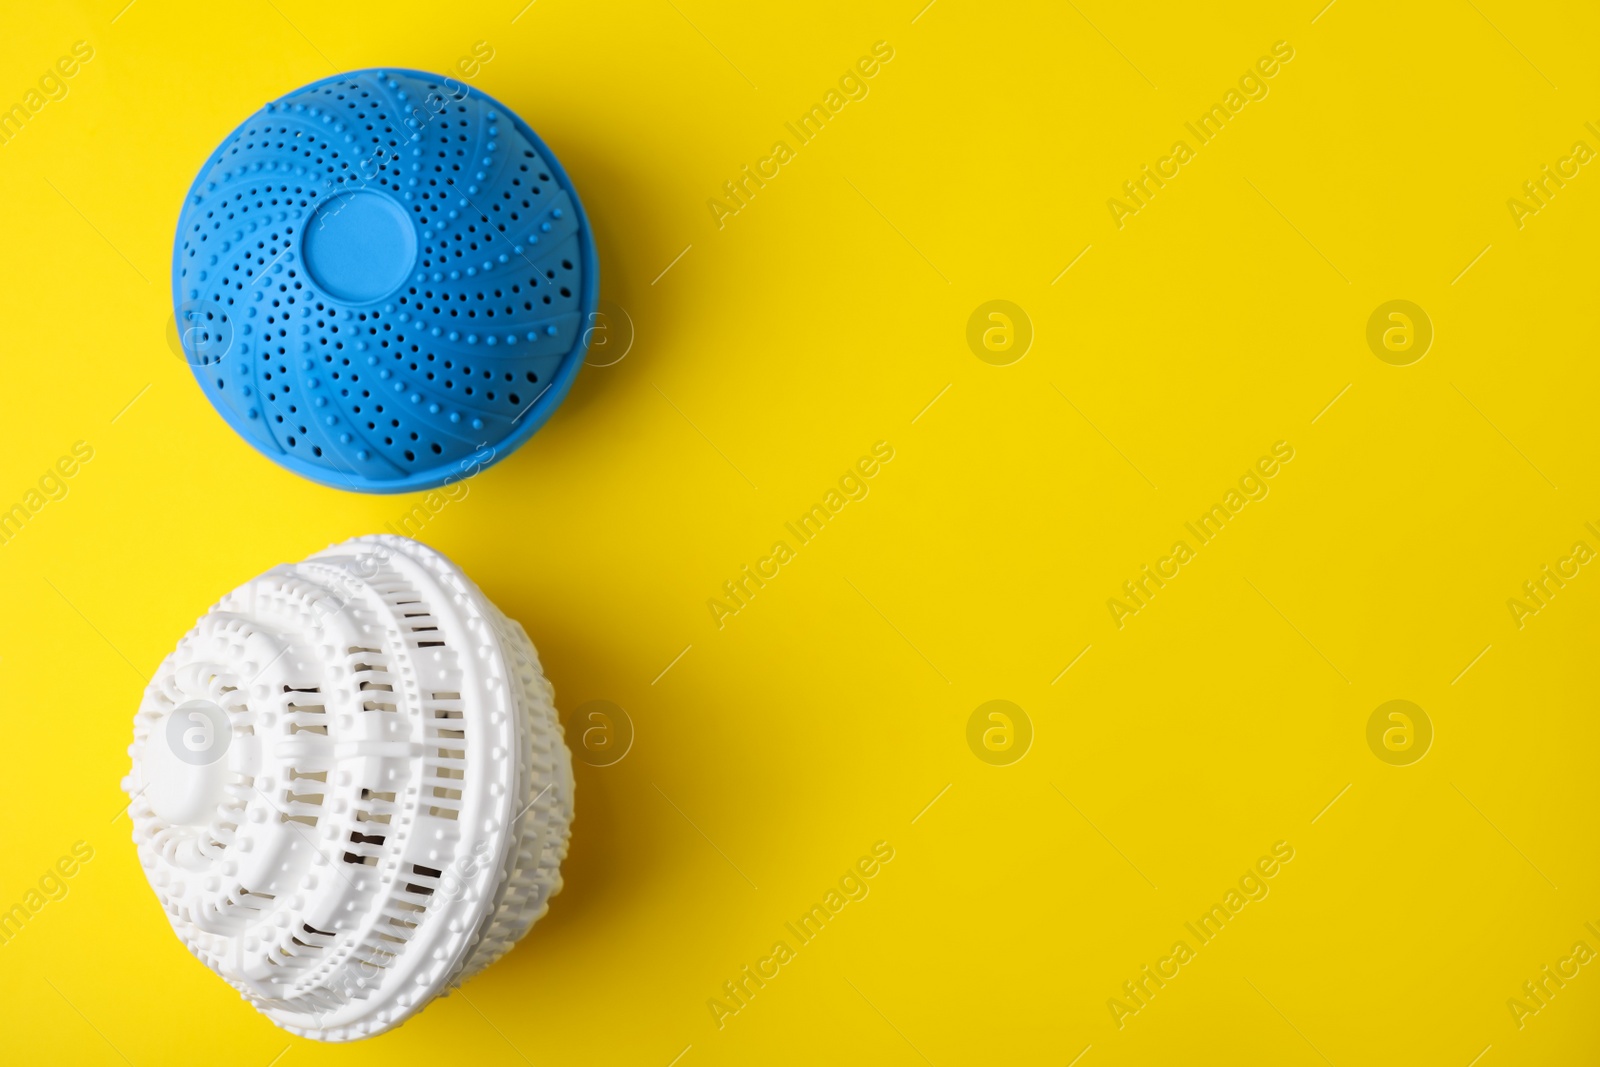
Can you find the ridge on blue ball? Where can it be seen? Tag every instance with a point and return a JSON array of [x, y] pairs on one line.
[[382, 281]]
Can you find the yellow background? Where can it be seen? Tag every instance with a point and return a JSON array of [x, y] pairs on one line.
[[825, 716]]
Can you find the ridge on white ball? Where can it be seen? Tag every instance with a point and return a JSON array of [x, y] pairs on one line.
[[350, 790]]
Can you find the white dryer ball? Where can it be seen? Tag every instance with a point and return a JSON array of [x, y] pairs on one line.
[[350, 790]]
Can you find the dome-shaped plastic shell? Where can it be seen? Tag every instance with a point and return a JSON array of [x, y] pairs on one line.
[[350, 790], [384, 281]]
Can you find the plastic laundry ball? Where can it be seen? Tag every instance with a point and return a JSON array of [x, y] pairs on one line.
[[350, 790], [384, 281]]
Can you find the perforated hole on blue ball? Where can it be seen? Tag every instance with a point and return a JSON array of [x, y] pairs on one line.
[[383, 279]]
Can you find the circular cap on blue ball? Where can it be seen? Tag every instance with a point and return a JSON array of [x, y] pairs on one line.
[[383, 281]]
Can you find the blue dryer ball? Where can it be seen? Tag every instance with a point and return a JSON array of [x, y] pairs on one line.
[[384, 280]]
